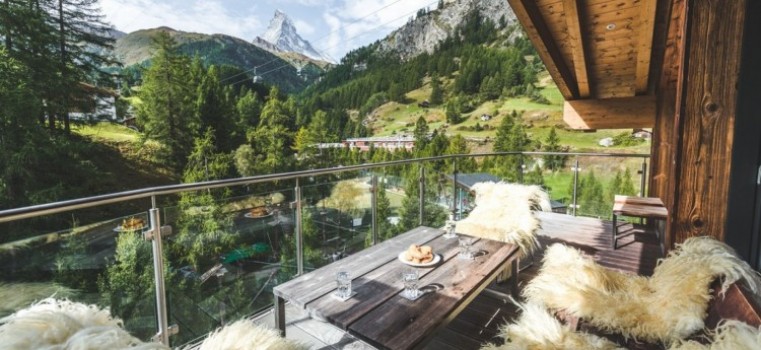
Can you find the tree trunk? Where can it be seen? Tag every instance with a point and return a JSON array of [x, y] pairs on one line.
[[65, 94], [8, 36]]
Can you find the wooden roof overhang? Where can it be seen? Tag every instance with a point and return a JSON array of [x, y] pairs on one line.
[[599, 53]]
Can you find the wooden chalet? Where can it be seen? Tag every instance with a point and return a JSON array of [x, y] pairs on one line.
[[688, 69]]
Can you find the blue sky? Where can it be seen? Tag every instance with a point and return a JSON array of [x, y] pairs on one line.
[[332, 26]]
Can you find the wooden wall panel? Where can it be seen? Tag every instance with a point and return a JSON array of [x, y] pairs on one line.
[[667, 62], [706, 117]]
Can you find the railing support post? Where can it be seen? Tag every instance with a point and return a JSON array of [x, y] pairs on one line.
[[158, 275], [421, 195], [374, 208], [299, 231], [575, 185], [454, 188], [643, 177]]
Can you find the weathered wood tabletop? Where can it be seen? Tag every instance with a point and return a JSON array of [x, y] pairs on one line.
[[377, 313]]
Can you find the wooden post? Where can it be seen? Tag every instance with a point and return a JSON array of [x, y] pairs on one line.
[[707, 94]]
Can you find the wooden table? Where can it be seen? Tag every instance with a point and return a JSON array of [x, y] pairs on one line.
[[377, 313], [640, 207]]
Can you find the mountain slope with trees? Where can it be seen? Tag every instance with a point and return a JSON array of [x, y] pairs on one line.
[[291, 75]]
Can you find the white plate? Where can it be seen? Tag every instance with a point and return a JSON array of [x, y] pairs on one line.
[[248, 215], [436, 259], [121, 229]]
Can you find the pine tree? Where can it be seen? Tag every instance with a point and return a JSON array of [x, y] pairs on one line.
[[552, 144], [627, 184], [420, 134], [78, 25], [249, 108], [436, 94], [166, 112], [452, 112], [214, 110]]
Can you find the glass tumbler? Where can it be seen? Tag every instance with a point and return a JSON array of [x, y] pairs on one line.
[[343, 285], [410, 279]]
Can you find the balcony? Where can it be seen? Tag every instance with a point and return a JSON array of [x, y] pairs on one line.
[[224, 245]]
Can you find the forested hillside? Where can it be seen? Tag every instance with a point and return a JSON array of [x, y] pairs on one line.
[[136, 49]]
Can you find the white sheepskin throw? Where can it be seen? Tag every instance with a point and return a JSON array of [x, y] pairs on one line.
[[245, 335], [64, 325], [503, 212], [730, 335], [668, 306], [537, 329]]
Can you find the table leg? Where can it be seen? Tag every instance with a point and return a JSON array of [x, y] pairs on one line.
[[280, 315], [615, 230], [514, 278]]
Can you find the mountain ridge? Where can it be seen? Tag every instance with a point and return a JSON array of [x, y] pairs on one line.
[[430, 28], [136, 48], [281, 36]]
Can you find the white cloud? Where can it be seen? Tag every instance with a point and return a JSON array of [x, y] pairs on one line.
[[209, 16]]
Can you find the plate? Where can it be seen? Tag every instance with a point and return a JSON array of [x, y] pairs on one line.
[[436, 259], [248, 215], [121, 229]]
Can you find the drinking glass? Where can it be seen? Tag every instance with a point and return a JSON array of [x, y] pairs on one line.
[[450, 228], [343, 285], [466, 248], [410, 279]]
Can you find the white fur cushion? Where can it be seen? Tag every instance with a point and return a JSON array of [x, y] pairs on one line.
[[62, 324], [536, 328], [245, 335], [668, 306], [503, 213], [730, 335]]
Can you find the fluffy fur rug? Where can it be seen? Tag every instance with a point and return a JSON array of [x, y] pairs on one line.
[[503, 212], [64, 325], [245, 335], [61, 324], [537, 329], [668, 306], [731, 335]]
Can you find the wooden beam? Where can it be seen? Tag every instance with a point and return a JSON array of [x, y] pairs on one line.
[[575, 39], [531, 18], [706, 112], [645, 44], [612, 113]]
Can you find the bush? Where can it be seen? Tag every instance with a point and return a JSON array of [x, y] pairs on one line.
[[626, 139]]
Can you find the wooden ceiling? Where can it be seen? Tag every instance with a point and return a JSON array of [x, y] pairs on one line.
[[595, 50]]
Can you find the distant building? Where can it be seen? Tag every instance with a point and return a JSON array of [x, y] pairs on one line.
[[390, 143], [358, 67], [485, 117], [97, 104], [424, 104]]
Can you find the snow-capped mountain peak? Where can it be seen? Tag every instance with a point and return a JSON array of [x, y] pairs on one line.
[[282, 36]]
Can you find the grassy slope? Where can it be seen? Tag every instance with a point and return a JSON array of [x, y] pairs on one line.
[[130, 163], [394, 118]]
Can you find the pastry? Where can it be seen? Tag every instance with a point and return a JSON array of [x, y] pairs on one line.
[[419, 254]]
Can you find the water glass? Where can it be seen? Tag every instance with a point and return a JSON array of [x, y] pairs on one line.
[[343, 285], [466, 248], [410, 279], [450, 228]]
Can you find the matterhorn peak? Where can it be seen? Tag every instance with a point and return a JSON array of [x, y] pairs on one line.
[[281, 34]]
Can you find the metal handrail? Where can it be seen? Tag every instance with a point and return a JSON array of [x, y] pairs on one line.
[[88, 202]]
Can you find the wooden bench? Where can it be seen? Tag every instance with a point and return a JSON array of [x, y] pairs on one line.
[[640, 207]]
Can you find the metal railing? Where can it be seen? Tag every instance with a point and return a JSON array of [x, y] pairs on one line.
[[154, 233]]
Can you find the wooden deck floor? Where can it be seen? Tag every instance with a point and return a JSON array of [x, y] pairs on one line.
[[637, 253]]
